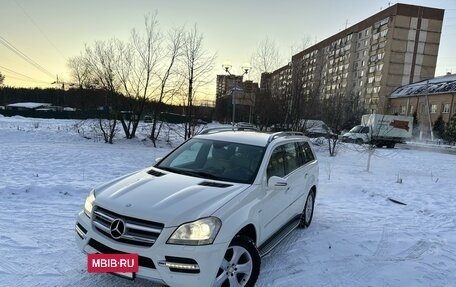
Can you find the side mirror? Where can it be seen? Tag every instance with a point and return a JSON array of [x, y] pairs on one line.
[[158, 159], [276, 182]]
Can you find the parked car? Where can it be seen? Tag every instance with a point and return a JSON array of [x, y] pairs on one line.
[[317, 128], [147, 119], [205, 214]]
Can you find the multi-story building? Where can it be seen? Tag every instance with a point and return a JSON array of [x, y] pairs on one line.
[[364, 63], [233, 93]]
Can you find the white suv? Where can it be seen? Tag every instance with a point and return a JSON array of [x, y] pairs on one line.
[[206, 213]]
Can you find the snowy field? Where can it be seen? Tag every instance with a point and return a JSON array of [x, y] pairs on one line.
[[358, 237]]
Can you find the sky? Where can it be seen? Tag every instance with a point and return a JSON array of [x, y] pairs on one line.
[[49, 32]]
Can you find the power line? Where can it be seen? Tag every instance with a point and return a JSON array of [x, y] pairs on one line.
[[39, 29], [25, 57], [19, 79], [22, 75]]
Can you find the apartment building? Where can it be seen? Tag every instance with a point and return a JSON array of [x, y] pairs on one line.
[[364, 63], [233, 92]]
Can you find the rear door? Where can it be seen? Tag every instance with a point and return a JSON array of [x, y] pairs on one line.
[[302, 175]]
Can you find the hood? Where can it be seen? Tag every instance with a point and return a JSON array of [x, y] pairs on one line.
[[171, 199]]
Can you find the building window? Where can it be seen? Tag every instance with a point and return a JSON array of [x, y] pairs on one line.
[[411, 110], [433, 108], [360, 83], [363, 63], [446, 108]]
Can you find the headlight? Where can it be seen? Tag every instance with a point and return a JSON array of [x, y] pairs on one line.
[[88, 205], [200, 232]]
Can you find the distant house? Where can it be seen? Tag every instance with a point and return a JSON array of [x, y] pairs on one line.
[[27, 106], [427, 99]]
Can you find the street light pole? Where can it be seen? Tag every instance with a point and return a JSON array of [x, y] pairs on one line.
[[227, 68]]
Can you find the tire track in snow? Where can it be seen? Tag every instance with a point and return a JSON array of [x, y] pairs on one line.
[[413, 252], [383, 245], [8, 267], [350, 274]]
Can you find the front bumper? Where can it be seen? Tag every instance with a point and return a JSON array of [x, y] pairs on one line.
[[173, 265]]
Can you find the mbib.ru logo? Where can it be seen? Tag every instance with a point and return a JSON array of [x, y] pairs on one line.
[[112, 263]]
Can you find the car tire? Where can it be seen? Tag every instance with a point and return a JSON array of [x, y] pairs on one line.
[[307, 212], [240, 265]]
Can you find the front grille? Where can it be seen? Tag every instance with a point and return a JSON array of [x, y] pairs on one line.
[[137, 231], [100, 247]]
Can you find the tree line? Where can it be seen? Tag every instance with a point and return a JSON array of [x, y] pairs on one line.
[[161, 67]]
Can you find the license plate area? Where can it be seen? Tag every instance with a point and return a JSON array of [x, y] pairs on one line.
[[126, 275]]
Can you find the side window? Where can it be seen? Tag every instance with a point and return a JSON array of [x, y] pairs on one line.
[[284, 160], [292, 161], [306, 152], [365, 130], [276, 166]]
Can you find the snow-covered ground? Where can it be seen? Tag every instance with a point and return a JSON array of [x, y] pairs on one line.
[[358, 236]]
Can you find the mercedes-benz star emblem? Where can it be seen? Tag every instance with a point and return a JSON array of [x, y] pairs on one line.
[[117, 228]]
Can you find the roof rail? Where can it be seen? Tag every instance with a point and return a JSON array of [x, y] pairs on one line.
[[283, 134], [226, 129]]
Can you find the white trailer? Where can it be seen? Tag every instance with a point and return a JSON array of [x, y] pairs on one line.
[[381, 130]]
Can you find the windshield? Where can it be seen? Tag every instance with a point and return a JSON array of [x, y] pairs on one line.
[[218, 160], [356, 129]]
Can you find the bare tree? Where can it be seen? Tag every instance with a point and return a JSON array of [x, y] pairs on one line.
[[101, 61], [2, 78], [174, 50], [300, 46], [198, 63], [79, 71], [265, 58], [138, 60]]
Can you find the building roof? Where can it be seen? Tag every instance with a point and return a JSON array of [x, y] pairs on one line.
[[28, 105], [438, 85]]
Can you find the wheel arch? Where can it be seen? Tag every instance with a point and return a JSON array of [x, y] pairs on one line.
[[249, 231], [314, 189]]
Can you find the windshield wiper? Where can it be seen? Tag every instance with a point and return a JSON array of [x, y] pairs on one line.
[[192, 173], [199, 174], [170, 169]]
